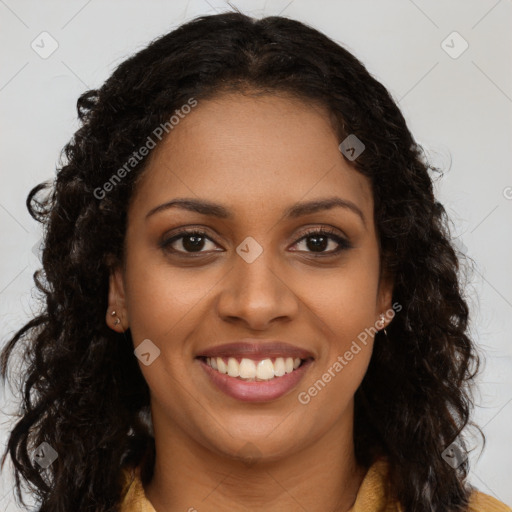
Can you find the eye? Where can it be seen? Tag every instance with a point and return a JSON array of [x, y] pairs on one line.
[[317, 240], [190, 241]]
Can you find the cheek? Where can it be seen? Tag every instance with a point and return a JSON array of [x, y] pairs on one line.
[[345, 306], [164, 304], [341, 367], [345, 300], [160, 297]]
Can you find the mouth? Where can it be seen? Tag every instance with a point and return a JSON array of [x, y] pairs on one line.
[[252, 369], [254, 380]]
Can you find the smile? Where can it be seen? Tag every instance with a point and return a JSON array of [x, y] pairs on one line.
[[240, 378], [254, 370]]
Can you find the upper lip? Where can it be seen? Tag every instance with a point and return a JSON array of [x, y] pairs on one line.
[[255, 348]]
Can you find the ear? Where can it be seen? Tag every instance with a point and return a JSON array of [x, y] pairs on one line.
[[116, 302], [384, 301]]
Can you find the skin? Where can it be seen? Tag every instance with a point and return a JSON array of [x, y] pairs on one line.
[[256, 156]]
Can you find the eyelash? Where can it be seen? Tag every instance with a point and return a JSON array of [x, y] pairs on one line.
[[329, 233]]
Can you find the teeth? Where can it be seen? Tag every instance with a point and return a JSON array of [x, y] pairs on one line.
[[265, 369], [279, 367], [248, 369], [233, 367], [221, 365]]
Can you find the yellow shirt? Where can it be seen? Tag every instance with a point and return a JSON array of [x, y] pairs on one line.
[[370, 497]]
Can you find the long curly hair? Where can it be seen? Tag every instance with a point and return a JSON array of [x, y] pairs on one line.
[[83, 391]]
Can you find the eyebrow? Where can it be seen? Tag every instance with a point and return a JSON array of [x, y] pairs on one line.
[[205, 207]]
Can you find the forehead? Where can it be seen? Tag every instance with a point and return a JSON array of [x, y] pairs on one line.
[[252, 150]]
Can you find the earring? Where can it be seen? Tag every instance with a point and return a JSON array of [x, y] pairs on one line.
[[383, 323], [117, 321]]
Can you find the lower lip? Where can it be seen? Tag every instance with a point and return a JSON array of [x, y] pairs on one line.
[[256, 391]]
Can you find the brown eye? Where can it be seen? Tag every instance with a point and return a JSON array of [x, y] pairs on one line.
[[318, 240], [189, 242]]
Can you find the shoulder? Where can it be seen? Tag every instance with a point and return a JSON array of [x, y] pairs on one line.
[[129, 483], [481, 502], [374, 486], [133, 498]]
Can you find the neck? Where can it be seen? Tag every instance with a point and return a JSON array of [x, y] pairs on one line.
[[323, 475]]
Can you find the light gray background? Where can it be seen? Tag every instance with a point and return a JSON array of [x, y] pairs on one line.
[[459, 109]]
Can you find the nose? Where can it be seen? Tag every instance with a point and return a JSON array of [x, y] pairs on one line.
[[257, 294]]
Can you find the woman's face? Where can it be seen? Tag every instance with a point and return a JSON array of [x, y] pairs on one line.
[[253, 276]]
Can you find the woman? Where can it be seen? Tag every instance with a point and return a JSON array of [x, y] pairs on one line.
[[252, 301]]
